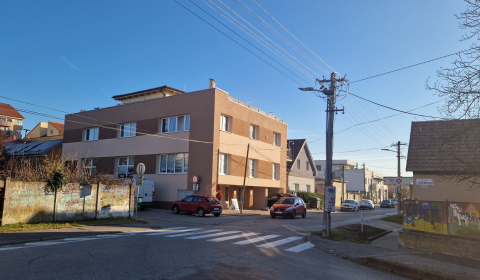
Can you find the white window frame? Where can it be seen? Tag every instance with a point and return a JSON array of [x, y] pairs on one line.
[[252, 168], [223, 164], [225, 123], [126, 129], [129, 164], [186, 124], [254, 131], [90, 164], [89, 131], [296, 188], [19, 122], [276, 139], [308, 188], [275, 172], [165, 159]]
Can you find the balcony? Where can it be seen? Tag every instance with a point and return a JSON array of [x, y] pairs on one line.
[[5, 124]]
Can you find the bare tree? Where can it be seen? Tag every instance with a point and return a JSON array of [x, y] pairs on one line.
[[460, 83]]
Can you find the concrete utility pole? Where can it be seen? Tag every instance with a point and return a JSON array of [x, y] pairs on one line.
[[331, 109], [398, 184], [242, 197]]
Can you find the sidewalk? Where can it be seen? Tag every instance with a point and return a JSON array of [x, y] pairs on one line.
[[384, 253]]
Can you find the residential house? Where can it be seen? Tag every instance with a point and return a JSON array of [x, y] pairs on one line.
[[177, 135], [301, 169], [11, 121], [34, 152], [45, 131]]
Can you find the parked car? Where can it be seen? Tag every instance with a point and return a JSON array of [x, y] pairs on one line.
[[394, 200], [350, 205], [289, 207], [387, 203], [367, 204], [199, 204], [274, 197]]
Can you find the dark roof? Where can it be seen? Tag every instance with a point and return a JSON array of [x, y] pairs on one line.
[[446, 146], [297, 145], [41, 148], [8, 110], [58, 125], [144, 92]]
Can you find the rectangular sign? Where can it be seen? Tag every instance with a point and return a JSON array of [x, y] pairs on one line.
[[424, 182], [330, 199]]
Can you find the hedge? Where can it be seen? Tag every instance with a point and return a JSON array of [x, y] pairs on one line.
[[307, 195]]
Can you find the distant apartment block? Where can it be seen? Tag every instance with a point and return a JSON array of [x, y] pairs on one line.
[[44, 131], [11, 121]]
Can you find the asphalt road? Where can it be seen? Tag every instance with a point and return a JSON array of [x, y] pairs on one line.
[[189, 247]]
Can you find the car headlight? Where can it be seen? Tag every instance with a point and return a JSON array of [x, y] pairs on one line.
[[288, 209]]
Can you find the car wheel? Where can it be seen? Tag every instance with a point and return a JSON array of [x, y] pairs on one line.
[[294, 214], [201, 212], [216, 215], [272, 216], [371, 208], [142, 208], [304, 214], [341, 209], [176, 210]]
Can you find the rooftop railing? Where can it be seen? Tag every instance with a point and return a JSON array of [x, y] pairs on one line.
[[272, 116]]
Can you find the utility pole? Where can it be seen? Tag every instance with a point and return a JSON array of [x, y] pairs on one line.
[[398, 182], [242, 196], [331, 110]]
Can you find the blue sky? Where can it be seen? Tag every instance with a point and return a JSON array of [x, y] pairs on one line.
[[76, 55]]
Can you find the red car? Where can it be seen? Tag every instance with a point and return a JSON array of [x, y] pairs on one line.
[[200, 204], [289, 207]]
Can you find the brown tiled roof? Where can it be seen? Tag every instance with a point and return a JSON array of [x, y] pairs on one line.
[[446, 146], [58, 126], [8, 110]]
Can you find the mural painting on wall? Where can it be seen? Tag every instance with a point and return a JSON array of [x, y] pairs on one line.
[[74, 198], [425, 216], [464, 219]]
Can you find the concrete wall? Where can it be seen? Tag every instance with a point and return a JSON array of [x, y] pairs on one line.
[[27, 202], [443, 189]]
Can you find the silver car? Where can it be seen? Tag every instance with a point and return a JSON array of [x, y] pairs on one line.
[[351, 205]]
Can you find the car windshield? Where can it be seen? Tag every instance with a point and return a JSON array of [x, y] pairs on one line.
[[349, 201], [365, 201], [386, 201], [286, 200], [211, 199]]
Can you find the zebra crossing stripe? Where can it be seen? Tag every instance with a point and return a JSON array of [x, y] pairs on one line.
[[150, 231], [191, 233], [108, 235], [174, 231], [213, 234], [10, 248], [280, 242], [258, 239], [301, 247], [80, 239], [43, 243], [233, 237]]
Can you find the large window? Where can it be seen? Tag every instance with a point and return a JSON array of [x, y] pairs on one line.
[[276, 139], [173, 163], [90, 165], [319, 168], [253, 132], [125, 167], [90, 134], [128, 130], [225, 123], [176, 124], [252, 168], [223, 164], [276, 168]]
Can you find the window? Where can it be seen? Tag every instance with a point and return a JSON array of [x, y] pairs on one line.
[[296, 188], [306, 164], [173, 163], [253, 132], [125, 167], [276, 139], [128, 130], [19, 122], [223, 164], [298, 164], [252, 168], [275, 171], [319, 167], [225, 123], [175, 124], [90, 134], [90, 165], [197, 199], [308, 188]]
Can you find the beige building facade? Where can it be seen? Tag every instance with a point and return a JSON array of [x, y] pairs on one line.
[[178, 135]]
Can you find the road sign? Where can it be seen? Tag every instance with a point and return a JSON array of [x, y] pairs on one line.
[[195, 187], [195, 179], [399, 181], [330, 199]]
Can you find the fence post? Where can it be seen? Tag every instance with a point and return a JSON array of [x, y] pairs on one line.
[[96, 201], [447, 213], [130, 202], [54, 206]]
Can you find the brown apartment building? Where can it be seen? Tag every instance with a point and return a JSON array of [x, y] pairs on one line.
[[178, 135]]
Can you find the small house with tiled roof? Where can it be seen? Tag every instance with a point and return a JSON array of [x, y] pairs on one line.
[[301, 169], [46, 131], [11, 121], [444, 157]]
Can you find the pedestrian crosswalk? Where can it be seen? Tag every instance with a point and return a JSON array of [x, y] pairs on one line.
[[213, 235]]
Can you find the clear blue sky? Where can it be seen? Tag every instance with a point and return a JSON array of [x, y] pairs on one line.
[[76, 55]]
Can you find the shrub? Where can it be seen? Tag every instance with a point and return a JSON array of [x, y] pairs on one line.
[[307, 195]]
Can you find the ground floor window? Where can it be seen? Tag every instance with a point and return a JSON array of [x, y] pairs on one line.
[[297, 187], [90, 165], [125, 167], [173, 163]]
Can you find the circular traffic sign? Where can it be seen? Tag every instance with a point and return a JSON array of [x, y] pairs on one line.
[[195, 179]]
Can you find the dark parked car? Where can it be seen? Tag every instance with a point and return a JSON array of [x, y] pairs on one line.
[[274, 197], [200, 204], [289, 207], [387, 204]]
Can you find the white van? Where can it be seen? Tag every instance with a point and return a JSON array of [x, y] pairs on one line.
[[146, 194]]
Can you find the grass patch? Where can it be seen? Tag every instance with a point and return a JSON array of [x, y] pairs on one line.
[[43, 226], [353, 233], [393, 219]]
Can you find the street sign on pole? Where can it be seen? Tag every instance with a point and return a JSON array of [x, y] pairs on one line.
[[399, 181], [140, 172]]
